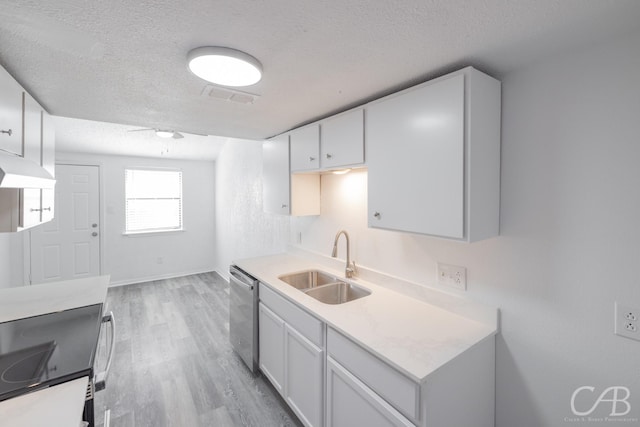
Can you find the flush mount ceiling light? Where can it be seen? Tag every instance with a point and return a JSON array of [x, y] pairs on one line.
[[165, 133], [224, 66]]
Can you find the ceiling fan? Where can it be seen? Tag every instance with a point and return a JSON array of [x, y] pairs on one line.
[[162, 133]]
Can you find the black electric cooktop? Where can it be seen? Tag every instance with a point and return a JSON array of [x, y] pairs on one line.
[[46, 350]]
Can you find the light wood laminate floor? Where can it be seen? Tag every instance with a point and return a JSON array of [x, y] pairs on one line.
[[174, 365]]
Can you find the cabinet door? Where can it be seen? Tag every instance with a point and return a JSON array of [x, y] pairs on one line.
[[48, 162], [305, 148], [31, 143], [415, 157], [271, 341], [10, 113], [275, 175], [352, 403], [343, 140], [304, 377]]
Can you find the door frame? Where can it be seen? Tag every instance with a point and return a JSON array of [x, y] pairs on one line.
[[101, 215]]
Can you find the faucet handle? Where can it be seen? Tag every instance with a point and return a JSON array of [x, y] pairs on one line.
[[351, 270]]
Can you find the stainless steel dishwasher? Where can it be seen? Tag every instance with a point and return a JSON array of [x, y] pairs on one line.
[[243, 316]]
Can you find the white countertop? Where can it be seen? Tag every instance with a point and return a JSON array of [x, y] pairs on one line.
[[414, 336], [27, 301], [59, 406]]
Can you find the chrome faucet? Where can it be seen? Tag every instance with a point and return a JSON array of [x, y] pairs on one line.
[[350, 270]]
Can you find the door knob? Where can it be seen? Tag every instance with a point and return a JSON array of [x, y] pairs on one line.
[[94, 234], [94, 225]]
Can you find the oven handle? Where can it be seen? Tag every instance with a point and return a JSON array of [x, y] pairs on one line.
[[100, 379]]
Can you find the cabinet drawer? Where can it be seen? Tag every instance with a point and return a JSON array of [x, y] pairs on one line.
[[352, 403], [310, 327], [400, 391]]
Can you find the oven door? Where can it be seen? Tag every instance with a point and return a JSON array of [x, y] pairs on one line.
[[243, 319]]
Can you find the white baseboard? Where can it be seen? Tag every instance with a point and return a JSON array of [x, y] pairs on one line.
[[158, 277]]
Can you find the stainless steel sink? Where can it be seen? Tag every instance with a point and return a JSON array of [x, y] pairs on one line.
[[337, 293], [308, 279], [324, 287]]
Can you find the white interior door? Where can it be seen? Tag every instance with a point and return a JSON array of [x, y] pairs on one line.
[[68, 247]]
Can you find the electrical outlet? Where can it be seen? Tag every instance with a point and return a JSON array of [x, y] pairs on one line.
[[452, 275], [627, 321]]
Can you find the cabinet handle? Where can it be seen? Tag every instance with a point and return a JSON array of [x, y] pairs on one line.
[[311, 159], [377, 215], [8, 132], [47, 209], [35, 210], [94, 234], [329, 156], [284, 206]]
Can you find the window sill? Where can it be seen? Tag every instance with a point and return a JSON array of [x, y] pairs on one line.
[[151, 233]]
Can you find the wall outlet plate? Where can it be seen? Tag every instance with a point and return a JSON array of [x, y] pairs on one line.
[[627, 321], [453, 276]]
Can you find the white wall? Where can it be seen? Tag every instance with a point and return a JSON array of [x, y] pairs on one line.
[[569, 233], [132, 259], [242, 228]]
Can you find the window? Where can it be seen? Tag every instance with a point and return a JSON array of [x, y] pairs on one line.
[[153, 200]]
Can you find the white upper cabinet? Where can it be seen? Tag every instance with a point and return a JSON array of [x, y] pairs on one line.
[[10, 113], [48, 162], [305, 148], [337, 141], [275, 175], [32, 127], [31, 211], [433, 154], [283, 193], [342, 140], [25, 130]]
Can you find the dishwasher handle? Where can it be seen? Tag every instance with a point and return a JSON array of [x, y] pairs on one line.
[[242, 283], [100, 379], [241, 278]]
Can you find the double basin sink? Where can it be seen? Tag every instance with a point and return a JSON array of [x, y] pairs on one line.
[[324, 287]]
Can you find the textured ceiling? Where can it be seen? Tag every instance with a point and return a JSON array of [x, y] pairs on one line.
[[88, 136], [123, 61]]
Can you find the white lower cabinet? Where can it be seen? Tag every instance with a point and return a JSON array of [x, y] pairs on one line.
[[304, 377], [351, 403], [328, 379], [271, 342], [292, 360]]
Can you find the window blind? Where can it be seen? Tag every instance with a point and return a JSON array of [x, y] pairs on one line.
[[153, 200]]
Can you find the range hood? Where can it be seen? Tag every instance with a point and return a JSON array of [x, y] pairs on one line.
[[18, 172]]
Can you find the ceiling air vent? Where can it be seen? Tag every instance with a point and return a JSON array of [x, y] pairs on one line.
[[226, 94]]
